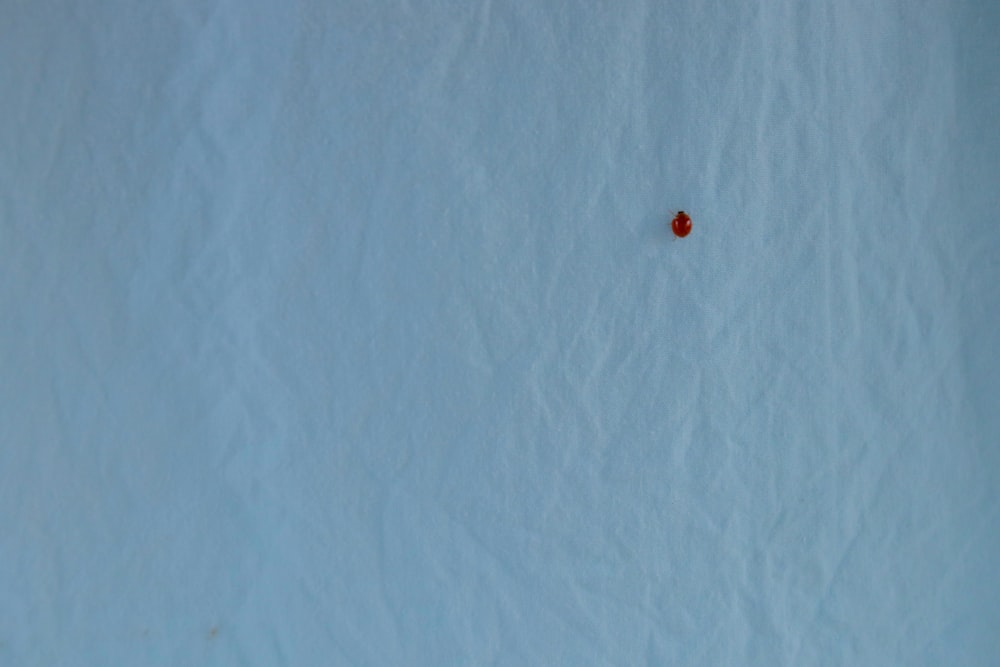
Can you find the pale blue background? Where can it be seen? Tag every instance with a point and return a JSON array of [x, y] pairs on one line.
[[353, 333]]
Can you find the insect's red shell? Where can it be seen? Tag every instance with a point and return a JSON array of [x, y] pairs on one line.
[[681, 224]]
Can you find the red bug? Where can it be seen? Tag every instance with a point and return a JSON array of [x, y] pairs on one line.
[[681, 224]]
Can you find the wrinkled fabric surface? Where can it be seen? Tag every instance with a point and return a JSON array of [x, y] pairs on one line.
[[350, 333]]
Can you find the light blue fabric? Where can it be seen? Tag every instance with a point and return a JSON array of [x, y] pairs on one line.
[[353, 333]]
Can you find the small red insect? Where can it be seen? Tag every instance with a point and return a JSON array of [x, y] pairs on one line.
[[681, 224]]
